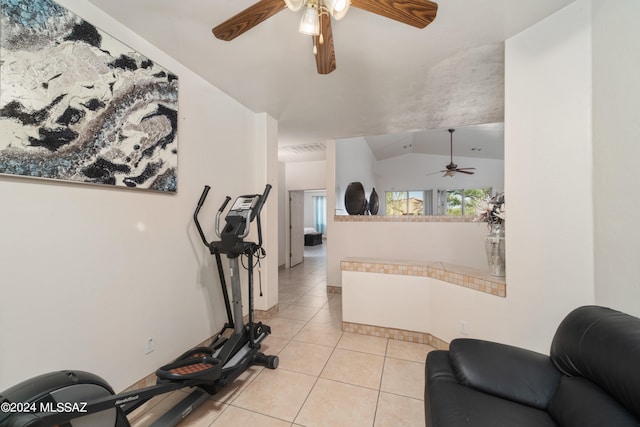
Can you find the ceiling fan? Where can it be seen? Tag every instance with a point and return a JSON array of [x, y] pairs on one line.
[[452, 168], [316, 20]]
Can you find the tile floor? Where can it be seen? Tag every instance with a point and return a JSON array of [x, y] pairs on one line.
[[325, 377]]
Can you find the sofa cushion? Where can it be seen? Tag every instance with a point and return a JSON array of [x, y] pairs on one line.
[[580, 403], [603, 346], [450, 404], [513, 373], [456, 405]]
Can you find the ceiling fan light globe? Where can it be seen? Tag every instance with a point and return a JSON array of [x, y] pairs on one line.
[[338, 8], [294, 5], [310, 24]]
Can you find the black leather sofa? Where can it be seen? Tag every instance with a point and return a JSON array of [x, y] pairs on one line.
[[591, 378]]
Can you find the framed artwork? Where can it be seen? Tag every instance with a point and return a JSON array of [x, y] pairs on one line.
[[78, 105]]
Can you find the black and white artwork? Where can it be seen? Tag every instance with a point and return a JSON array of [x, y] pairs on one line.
[[78, 105]]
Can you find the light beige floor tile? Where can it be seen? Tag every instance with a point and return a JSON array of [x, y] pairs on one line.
[[204, 415], [278, 393], [294, 289], [316, 301], [321, 334], [286, 299], [233, 416], [334, 404], [364, 343], [335, 304], [285, 328], [319, 290], [273, 345], [404, 378], [408, 350], [326, 315], [355, 368], [233, 390], [298, 312], [304, 357], [399, 411]]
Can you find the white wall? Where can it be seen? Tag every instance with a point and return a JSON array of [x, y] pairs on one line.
[[616, 133], [306, 175], [90, 272], [548, 179], [354, 162]]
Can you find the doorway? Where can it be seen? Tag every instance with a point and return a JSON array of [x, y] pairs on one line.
[[307, 225]]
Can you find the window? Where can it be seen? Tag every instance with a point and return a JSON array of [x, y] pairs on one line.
[[461, 201], [320, 213], [408, 202]]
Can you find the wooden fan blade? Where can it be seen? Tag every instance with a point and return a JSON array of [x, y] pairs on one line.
[[463, 171], [418, 13], [325, 56], [248, 18]]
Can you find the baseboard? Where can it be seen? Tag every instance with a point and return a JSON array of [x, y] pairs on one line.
[[396, 334]]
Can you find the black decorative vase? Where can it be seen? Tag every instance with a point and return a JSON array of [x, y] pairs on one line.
[[374, 202], [354, 199]]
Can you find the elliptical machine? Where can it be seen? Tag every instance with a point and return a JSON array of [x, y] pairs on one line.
[[82, 399]]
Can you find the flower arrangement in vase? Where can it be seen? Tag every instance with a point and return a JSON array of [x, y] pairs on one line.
[[492, 211]]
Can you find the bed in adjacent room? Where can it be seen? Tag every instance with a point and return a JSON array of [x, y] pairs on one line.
[[312, 237]]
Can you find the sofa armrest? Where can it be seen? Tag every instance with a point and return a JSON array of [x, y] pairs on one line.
[[509, 372]]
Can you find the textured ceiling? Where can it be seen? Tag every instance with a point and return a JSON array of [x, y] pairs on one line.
[[390, 78]]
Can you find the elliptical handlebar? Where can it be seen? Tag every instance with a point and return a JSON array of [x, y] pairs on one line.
[[261, 202], [195, 214], [224, 205], [263, 199]]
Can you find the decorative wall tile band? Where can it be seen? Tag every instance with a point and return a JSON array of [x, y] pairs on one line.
[[265, 314], [396, 334], [334, 289], [461, 276], [403, 218]]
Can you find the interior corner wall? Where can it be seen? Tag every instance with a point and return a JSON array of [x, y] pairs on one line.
[[282, 206], [265, 171], [616, 133], [90, 272], [548, 179]]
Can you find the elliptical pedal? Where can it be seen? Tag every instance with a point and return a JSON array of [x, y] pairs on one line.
[[195, 367]]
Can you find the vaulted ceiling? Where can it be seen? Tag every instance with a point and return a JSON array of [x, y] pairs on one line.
[[390, 78]]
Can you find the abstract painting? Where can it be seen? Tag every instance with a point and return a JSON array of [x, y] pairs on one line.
[[78, 105]]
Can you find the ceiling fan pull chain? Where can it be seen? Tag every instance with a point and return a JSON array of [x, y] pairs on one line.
[[321, 17]]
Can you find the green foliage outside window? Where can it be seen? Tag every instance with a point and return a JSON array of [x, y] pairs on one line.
[[461, 201]]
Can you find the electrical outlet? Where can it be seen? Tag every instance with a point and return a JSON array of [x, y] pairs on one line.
[[149, 345], [464, 327]]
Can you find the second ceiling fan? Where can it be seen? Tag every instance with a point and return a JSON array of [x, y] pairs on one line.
[[316, 20], [452, 168]]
